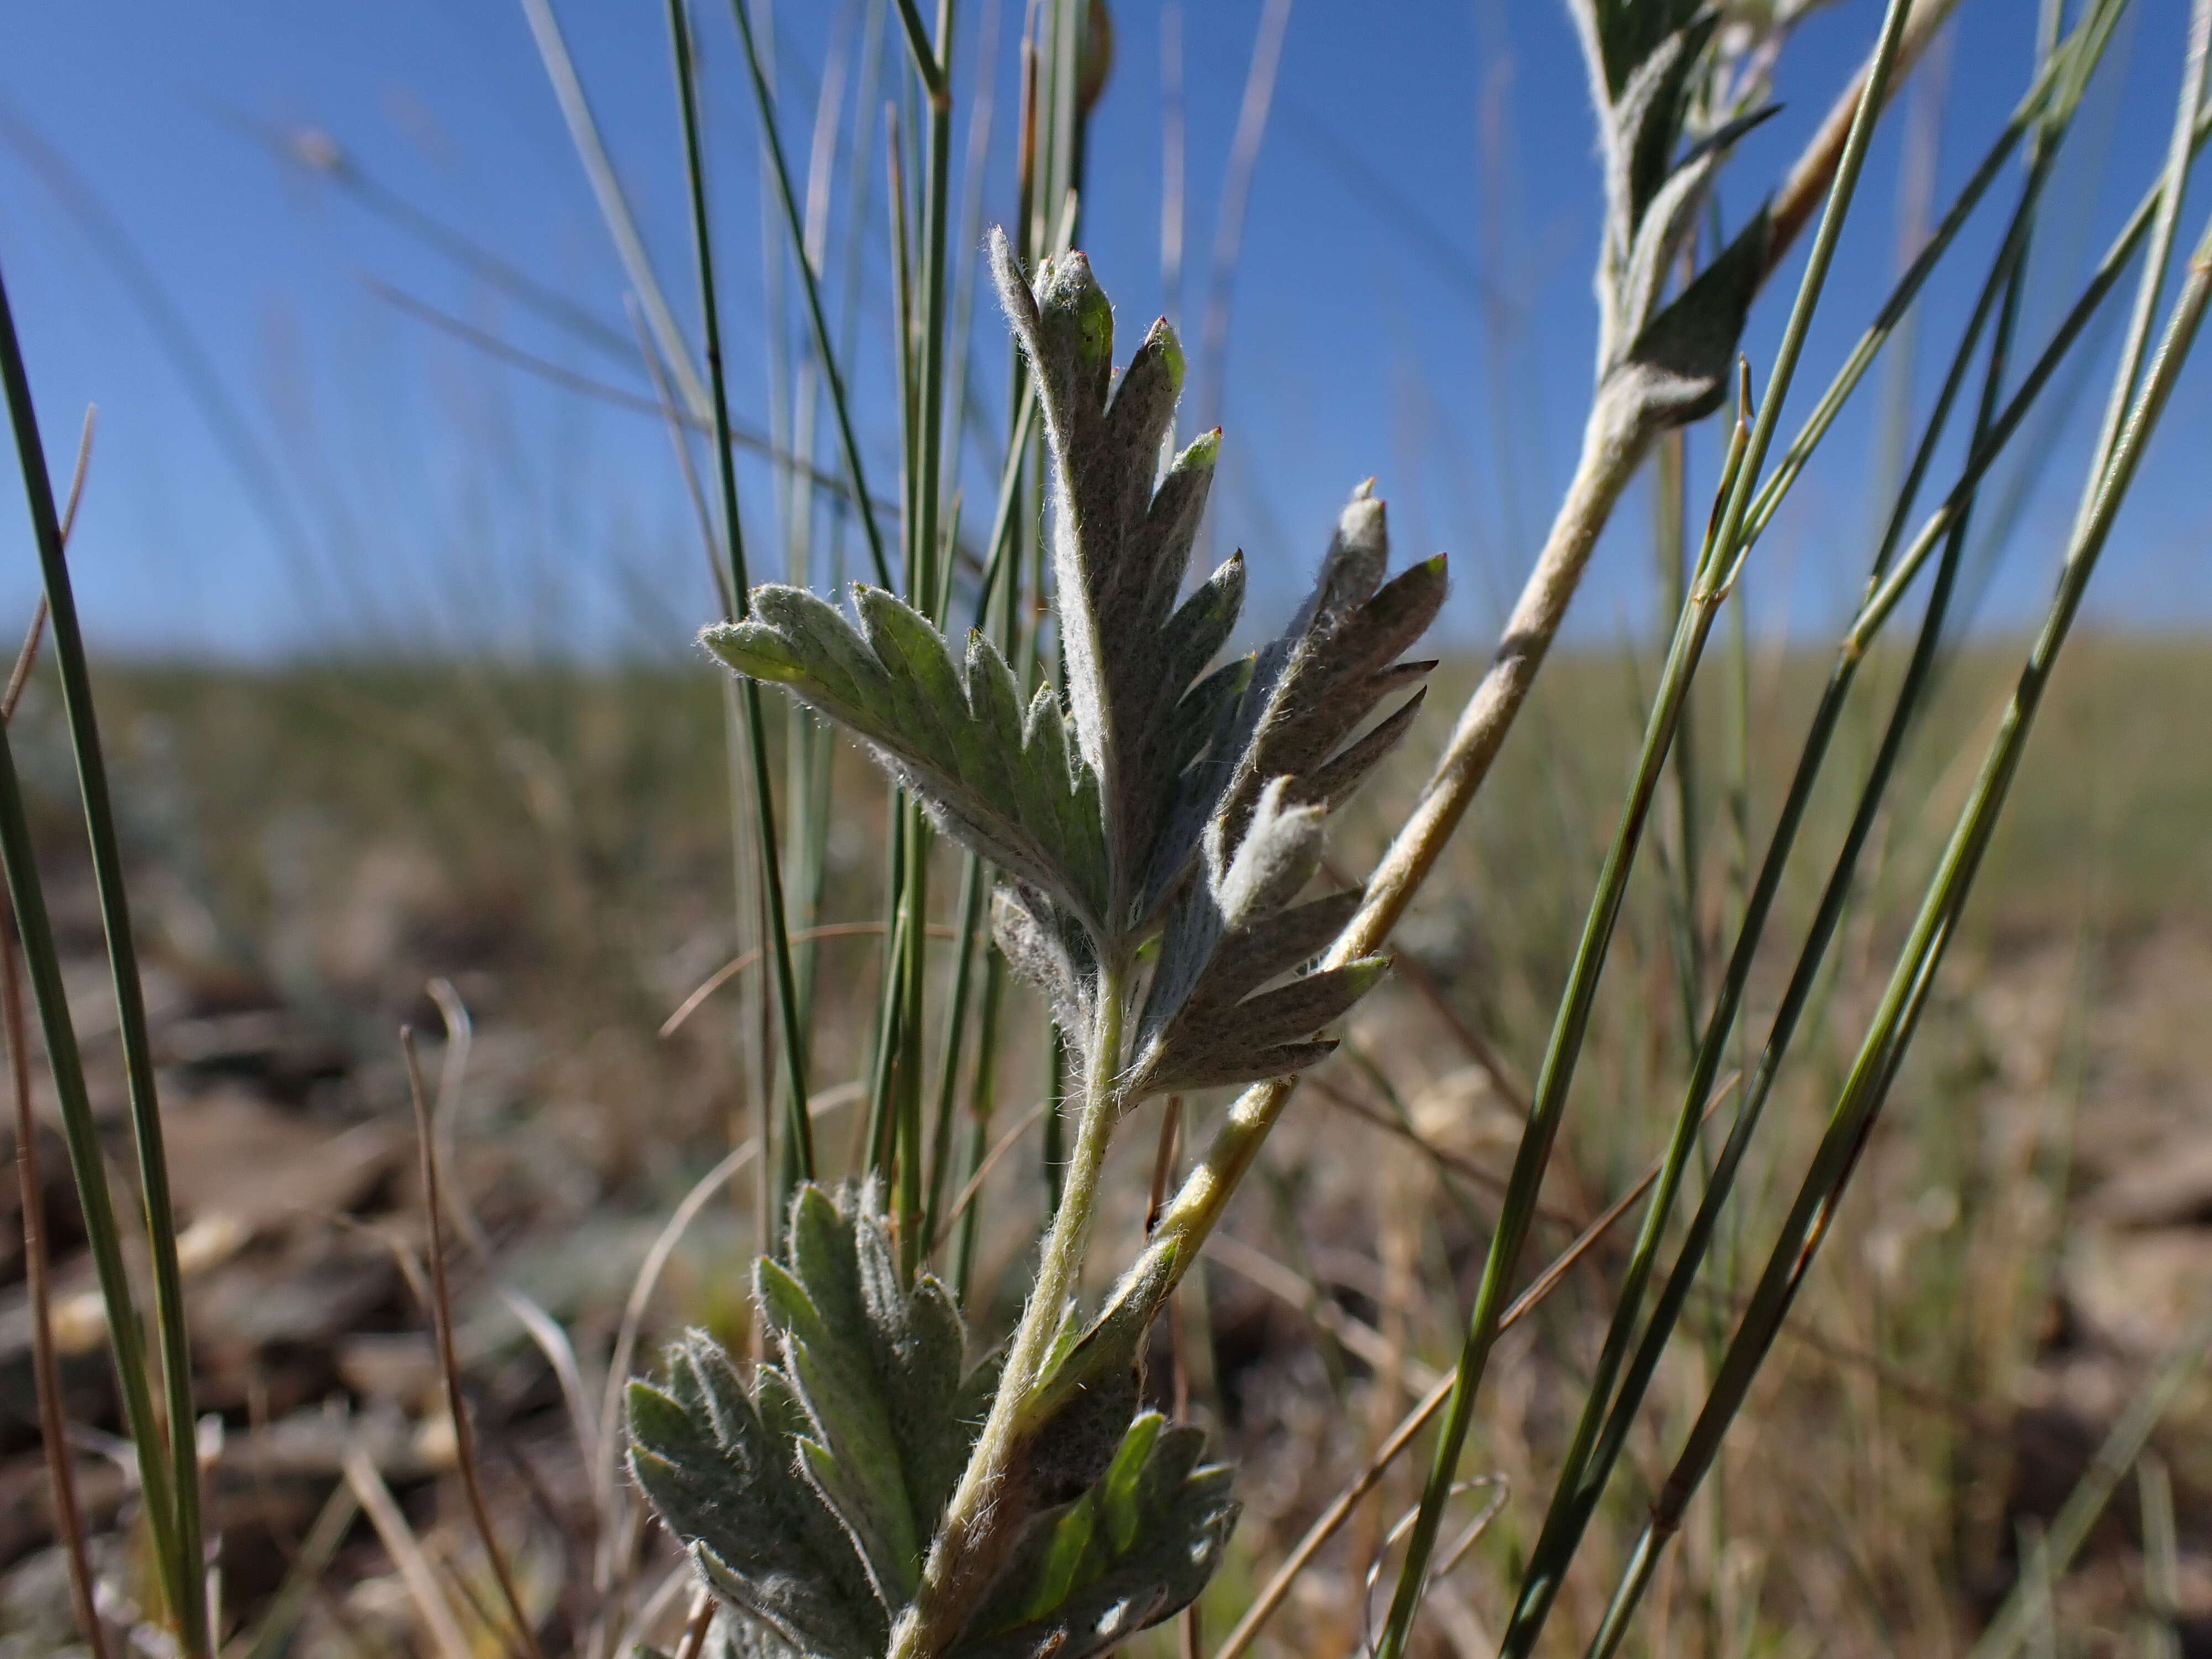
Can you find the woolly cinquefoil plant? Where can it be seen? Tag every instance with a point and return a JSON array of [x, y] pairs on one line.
[[1156, 834]]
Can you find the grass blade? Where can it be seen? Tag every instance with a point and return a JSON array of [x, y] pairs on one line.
[[69, 1519], [1890, 1029], [2007, 1632], [1332, 1519], [613, 205], [1555, 1079], [441, 1317], [399, 1542], [927, 591], [840, 407], [797, 1163], [974, 883], [177, 1488], [2161, 1561], [2069, 69], [1601, 1430], [1717, 566]]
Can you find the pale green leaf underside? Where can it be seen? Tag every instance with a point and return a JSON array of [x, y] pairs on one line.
[[809, 1501], [1001, 779]]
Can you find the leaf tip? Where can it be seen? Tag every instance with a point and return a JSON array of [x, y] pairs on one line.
[[1162, 338]]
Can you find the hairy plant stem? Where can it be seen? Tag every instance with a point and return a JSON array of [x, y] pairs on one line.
[[970, 1547]]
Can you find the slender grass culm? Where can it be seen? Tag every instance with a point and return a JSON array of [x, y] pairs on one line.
[[165, 1446], [1600, 1432], [796, 1144]]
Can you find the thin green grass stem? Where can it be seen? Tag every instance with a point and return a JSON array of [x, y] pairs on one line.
[[1889, 1032], [1555, 1079], [613, 202], [1600, 1432], [88, 1163], [810, 284], [914, 967], [982, 1105], [797, 1143], [1723, 552], [923, 323], [173, 1495], [2060, 80], [1884, 599], [974, 888]]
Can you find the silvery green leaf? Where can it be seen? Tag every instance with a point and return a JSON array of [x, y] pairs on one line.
[[1335, 782], [1296, 1010], [1047, 948], [1645, 58], [1618, 35], [1273, 770], [1204, 717], [876, 1366], [851, 1454], [1230, 1065], [1646, 123], [1276, 856], [1073, 1445], [998, 777], [1210, 1020], [1316, 686], [1135, 1548], [1187, 946], [758, 1532], [1210, 719], [1212, 1045], [1677, 369], [1279, 852], [1641, 56], [734, 1635], [1121, 537], [1666, 223], [1282, 944], [807, 1502]]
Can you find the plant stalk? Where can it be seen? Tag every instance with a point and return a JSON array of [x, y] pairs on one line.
[[1867, 1087], [863, 502], [969, 1549], [173, 1493], [1602, 1429], [797, 1144], [1554, 1082]]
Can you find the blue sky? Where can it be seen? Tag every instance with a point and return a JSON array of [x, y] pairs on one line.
[[288, 461]]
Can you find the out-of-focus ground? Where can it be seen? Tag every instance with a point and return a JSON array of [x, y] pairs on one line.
[[311, 847]]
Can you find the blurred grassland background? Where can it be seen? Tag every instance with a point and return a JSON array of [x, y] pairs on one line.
[[396, 673]]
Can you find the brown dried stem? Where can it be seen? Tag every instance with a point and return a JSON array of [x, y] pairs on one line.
[[442, 1319]]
